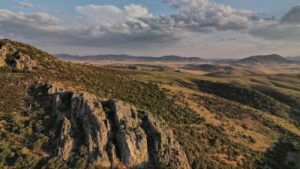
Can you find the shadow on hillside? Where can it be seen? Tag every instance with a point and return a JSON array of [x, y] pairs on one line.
[[243, 96], [280, 155]]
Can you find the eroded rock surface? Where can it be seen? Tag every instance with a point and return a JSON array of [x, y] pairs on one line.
[[83, 121], [162, 146], [12, 57], [115, 133], [130, 137]]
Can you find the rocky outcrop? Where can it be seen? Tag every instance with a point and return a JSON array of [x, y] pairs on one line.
[[130, 137], [115, 133], [3, 52], [83, 122], [21, 62], [14, 58], [162, 146]]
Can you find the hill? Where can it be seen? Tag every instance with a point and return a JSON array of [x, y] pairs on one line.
[[56, 114], [265, 59], [167, 58], [295, 58]]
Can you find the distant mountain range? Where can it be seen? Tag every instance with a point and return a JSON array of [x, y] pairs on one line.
[[259, 59], [169, 58], [265, 59]]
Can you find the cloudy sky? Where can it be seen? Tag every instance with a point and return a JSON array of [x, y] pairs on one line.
[[201, 28]]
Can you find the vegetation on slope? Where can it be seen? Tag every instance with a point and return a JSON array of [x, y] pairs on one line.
[[25, 120], [244, 96]]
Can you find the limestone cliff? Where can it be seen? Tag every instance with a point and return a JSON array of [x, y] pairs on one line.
[[115, 133]]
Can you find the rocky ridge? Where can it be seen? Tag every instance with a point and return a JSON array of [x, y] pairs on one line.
[[115, 133], [17, 60]]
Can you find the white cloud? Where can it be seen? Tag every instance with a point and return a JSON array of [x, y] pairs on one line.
[[102, 15], [133, 22], [191, 15], [38, 20], [132, 26], [207, 16], [134, 10], [25, 4], [122, 30], [110, 15]]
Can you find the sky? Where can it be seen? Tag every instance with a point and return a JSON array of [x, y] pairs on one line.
[[192, 28]]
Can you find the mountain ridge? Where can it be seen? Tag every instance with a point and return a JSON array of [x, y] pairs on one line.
[[123, 57], [264, 59]]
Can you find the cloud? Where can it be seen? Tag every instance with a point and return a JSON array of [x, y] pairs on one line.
[[25, 4], [111, 15], [207, 16], [293, 16], [281, 32], [39, 27], [191, 16], [131, 26], [287, 29], [134, 10], [101, 15], [278, 32], [125, 29], [38, 20], [132, 23], [136, 24]]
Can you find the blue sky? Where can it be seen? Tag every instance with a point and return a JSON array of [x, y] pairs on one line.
[[67, 7], [204, 28], [270, 7]]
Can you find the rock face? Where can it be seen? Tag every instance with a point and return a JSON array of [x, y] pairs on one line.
[[115, 133], [162, 147], [130, 137], [12, 57], [83, 121]]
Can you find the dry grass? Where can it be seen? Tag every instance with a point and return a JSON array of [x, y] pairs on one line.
[[254, 128], [283, 123]]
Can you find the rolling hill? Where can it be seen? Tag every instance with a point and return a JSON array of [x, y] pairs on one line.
[[265, 59]]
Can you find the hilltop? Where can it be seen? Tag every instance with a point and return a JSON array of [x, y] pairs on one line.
[[265, 59]]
